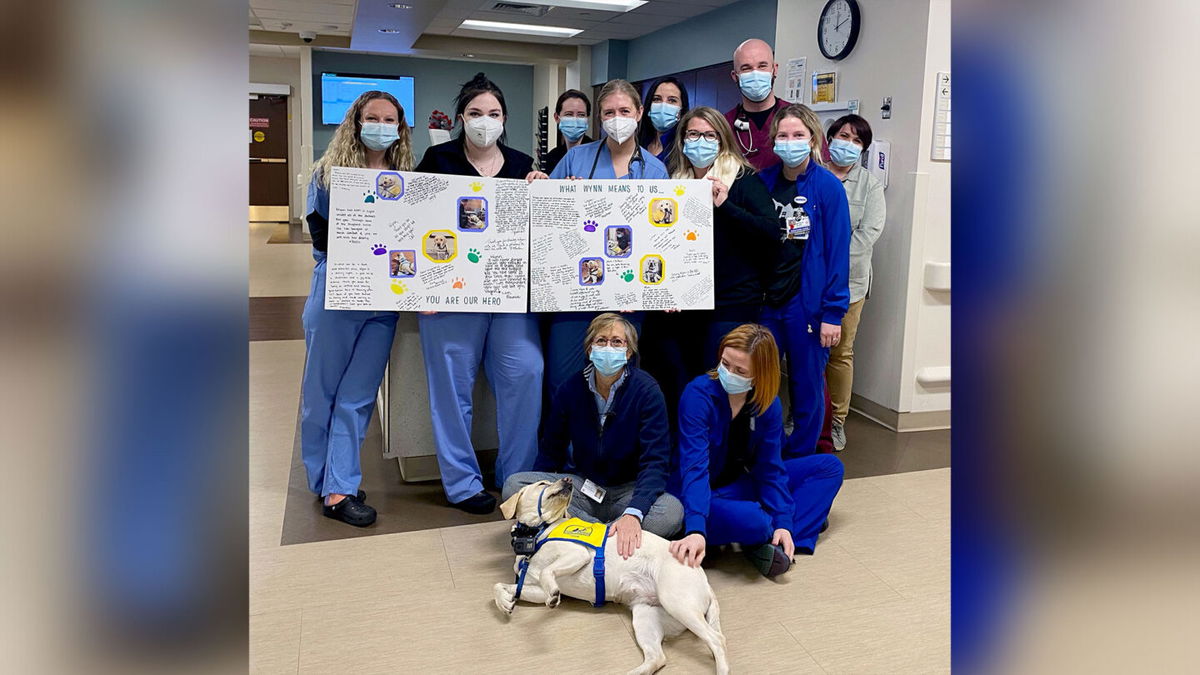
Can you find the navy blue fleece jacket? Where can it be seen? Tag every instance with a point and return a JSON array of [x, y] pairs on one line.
[[631, 444]]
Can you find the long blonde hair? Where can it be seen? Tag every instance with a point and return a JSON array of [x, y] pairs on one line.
[[806, 115], [346, 149], [729, 162]]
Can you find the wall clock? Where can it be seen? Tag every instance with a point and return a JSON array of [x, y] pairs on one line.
[[837, 30]]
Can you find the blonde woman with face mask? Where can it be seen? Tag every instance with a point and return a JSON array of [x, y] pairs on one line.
[[617, 155], [346, 350], [809, 292]]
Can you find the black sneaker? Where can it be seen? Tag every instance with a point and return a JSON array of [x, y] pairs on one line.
[[768, 559], [351, 510], [481, 503]]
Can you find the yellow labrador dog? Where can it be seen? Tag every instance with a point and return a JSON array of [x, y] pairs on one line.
[[666, 596]]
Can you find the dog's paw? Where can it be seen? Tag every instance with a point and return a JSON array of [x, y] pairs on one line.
[[554, 599], [505, 601]]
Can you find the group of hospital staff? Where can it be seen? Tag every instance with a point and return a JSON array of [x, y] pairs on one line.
[[670, 422]]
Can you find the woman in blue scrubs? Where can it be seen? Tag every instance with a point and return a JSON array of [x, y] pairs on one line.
[[455, 344], [809, 290], [346, 350], [667, 102], [616, 156], [729, 473]]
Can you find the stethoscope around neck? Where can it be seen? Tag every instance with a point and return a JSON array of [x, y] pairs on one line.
[[740, 124], [637, 157]]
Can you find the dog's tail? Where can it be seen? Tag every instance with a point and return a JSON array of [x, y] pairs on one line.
[[713, 614]]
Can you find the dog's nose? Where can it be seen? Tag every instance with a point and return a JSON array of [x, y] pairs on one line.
[[566, 480]]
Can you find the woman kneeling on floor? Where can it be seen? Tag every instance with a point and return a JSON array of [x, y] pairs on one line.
[[730, 476], [607, 429]]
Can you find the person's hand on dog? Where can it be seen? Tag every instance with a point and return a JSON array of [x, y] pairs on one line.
[[720, 190], [628, 530], [689, 550], [830, 334], [784, 538]]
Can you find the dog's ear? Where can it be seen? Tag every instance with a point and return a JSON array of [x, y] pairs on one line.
[[509, 508]]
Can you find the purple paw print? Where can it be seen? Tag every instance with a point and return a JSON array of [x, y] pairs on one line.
[[589, 225], [378, 249]]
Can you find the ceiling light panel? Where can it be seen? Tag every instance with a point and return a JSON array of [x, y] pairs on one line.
[[519, 28]]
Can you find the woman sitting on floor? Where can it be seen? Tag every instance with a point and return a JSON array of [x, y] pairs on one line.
[[730, 476], [607, 429]]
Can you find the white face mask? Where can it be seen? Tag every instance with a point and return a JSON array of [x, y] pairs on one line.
[[483, 131], [620, 128]]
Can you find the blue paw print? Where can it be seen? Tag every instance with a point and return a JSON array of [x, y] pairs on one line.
[[589, 225], [368, 198], [378, 249]]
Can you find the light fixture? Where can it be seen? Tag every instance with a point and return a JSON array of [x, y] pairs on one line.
[[399, 5], [520, 28], [602, 5], [469, 56], [389, 30]]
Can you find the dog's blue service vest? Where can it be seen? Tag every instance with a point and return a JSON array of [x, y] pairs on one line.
[[591, 535]]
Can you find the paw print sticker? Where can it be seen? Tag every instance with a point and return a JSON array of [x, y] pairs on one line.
[[368, 197], [679, 190], [378, 249], [459, 282], [589, 225], [476, 186], [399, 288], [474, 255], [627, 276], [691, 235]]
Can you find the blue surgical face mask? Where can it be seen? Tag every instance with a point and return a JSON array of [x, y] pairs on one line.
[[663, 115], [843, 152], [573, 128], [755, 85], [609, 360], [701, 152], [732, 382], [379, 136], [793, 153]]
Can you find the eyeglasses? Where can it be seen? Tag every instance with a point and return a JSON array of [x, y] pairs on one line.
[[605, 342], [696, 135]]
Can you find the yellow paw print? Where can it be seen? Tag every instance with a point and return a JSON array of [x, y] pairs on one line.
[[399, 288], [679, 190], [476, 186], [691, 235]]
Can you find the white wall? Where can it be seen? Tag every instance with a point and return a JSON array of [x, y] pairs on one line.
[[268, 70], [899, 329], [927, 343]]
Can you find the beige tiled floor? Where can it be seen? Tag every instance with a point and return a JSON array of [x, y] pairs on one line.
[[874, 599]]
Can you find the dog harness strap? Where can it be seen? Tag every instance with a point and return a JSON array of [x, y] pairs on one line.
[[521, 577], [591, 535], [598, 573]]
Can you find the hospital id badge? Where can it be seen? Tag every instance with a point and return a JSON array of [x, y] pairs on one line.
[[800, 227], [592, 490]]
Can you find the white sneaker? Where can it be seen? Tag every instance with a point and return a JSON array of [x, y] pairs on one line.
[[839, 436]]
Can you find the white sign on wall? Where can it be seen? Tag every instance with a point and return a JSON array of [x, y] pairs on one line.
[[941, 119]]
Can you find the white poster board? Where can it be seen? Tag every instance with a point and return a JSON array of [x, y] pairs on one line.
[[598, 245], [427, 242]]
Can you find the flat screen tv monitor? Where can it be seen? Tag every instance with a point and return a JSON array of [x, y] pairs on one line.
[[339, 91]]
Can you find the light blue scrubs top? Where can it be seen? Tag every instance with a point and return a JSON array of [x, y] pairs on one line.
[[579, 161]]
